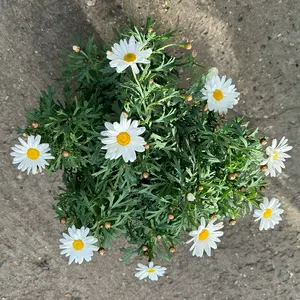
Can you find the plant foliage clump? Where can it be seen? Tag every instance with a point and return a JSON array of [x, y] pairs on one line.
[[189, 150]]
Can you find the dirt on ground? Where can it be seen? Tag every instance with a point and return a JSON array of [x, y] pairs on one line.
[[256, 42]]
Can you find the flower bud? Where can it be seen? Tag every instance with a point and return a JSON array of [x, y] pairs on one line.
[[145, 248], [243, 189], [107, 225], [213, 216], [170, 216], [151, 81], [194, 53], [101, 251], [188, 97], [145, 174], [232, 176], [25, 134], [150, 29], [76, 48], [264, 168], [263, 141], [65, 153], [200, 188], [188, 46], [205, 107], [62, 220], [147, 146], [172, 249], [262, 188], [217, 127], [34, 124], [232, 222], [146, 253]]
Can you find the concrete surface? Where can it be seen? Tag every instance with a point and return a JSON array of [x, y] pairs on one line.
[[254, 41]]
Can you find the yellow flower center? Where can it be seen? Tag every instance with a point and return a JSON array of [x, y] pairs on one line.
[[123, 138], [33, 153], [129, 57], [203, 235], [78, 245], [275, 154], [150, 270], [267, 213], [218, 95]]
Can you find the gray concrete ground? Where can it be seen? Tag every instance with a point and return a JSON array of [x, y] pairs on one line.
[[254, 41]]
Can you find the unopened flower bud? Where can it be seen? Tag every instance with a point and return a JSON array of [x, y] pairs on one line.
[[34, 124], [25, 135], [145, 174], [76, 48], [145, 248], [188, 97], [170, 216], [264, 168], [146, 253], [107, 225], [262, 188], [217, 127], [101, 251], [151, 81], [62, 220], [263, 141], [147, 146], [232, 176], [150, 29], [243, 189], [205, 107], [188, 46], [172, 249], [200, 188], [213, 216], [232, 222], [65, 153], [194, 53]]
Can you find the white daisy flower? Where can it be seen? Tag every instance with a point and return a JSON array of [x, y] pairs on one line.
[[122, 139], [268, 214], [31, 156], [151, 271], [128, 54], [276, 157], [219, 93], [190, 197], [212, 72], [205, 237], [77, 245]]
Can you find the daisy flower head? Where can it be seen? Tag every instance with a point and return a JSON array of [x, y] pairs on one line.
[[31, 156], [128, 54], [151, 271], [268, 214], [77, 245], [220, 93], [276, 156], [123, 139], [205, 237]]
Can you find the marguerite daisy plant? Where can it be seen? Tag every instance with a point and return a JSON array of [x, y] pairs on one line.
[[268, 214], [276, 157], [128, 54], [123, 139], [219, 93], [31, 156], [152, 272], [205, 237], [78, 245]]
